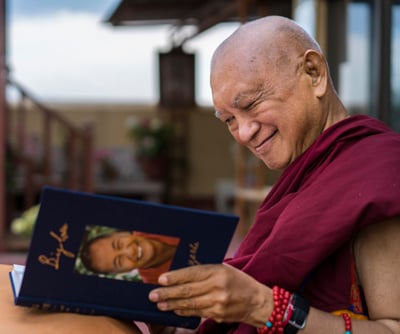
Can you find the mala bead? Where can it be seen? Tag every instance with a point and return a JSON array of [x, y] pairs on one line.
[[347, 323], [275, 324]]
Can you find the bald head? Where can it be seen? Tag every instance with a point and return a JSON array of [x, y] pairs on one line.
[[281, 29], [272, 40]]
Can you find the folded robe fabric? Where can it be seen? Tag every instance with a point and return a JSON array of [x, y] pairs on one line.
[[301, 237]]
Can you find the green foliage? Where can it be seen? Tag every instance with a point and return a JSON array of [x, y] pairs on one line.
[[24, 224], [151, 136]]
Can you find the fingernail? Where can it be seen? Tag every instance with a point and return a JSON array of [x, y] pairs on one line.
[[153, 296], [163, 280], [162, 306]]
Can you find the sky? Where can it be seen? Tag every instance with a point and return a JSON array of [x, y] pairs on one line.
[[64, 51]]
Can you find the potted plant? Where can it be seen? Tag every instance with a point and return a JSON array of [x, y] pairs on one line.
[[107, 169], [152, 138]]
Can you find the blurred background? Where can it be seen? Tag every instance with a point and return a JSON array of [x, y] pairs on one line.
[[112, 97]]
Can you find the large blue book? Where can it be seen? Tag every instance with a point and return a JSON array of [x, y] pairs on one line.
[[101, 255]]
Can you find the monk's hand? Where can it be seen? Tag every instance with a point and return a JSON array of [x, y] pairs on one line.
[[220, 292]]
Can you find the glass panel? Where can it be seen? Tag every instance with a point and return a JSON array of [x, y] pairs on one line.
[[354, 73], [304, 14], [395, 68]]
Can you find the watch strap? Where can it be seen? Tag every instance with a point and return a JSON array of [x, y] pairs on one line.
[[300, 308]]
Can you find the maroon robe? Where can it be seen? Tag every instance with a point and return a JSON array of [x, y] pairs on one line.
[[301, 237]]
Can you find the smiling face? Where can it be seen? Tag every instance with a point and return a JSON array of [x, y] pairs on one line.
[[276, 124], [122, 252], [268, 93]]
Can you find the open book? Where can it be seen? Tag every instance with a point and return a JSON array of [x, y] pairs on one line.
[[101, 255]]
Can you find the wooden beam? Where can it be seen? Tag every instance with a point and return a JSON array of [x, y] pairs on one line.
[[381, 60], [3, 83]]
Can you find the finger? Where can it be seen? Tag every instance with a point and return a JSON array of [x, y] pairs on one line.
[[216, 312], [214, 278], [206, 313], [196, 302], [177, 292], [219, 311], [215, 305], [188, 274]]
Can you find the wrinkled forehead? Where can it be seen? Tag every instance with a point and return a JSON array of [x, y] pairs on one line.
[[235, 69], [239, 76], [249, 60]]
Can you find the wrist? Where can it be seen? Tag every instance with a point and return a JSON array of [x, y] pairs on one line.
[[274, 323], [289, 313], [263, 307]]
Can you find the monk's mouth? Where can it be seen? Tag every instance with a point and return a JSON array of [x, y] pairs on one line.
[[262, 145], [139, 252], [139, 249]]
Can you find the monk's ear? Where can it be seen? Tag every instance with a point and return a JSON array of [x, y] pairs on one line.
[[315, 67]]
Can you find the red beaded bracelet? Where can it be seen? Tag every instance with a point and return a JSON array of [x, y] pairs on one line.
[[275, 321], [347, 323]]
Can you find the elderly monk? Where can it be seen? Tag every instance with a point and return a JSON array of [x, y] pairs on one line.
[[323, 253]]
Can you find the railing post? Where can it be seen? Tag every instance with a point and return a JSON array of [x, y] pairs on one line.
[[3, 83], [78, 152], [21, 125], [88, 156], [72, 181], [47, 154]]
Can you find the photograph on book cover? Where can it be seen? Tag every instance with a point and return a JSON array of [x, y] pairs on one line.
[[136, 256]]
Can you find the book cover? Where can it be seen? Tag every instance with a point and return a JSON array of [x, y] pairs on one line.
[[101, 255]]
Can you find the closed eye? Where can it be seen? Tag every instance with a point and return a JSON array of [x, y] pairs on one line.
[[229, 120], [116, 244], [117, 262], [122, 263]]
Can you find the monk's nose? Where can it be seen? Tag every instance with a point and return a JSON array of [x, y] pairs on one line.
[[247, 129]]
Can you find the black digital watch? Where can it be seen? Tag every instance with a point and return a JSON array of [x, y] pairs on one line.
[[298, 319]]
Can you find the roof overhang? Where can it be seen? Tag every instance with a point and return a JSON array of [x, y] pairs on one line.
[[201, 14]]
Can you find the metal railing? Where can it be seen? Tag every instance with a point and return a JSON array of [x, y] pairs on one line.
[[45, 148]]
